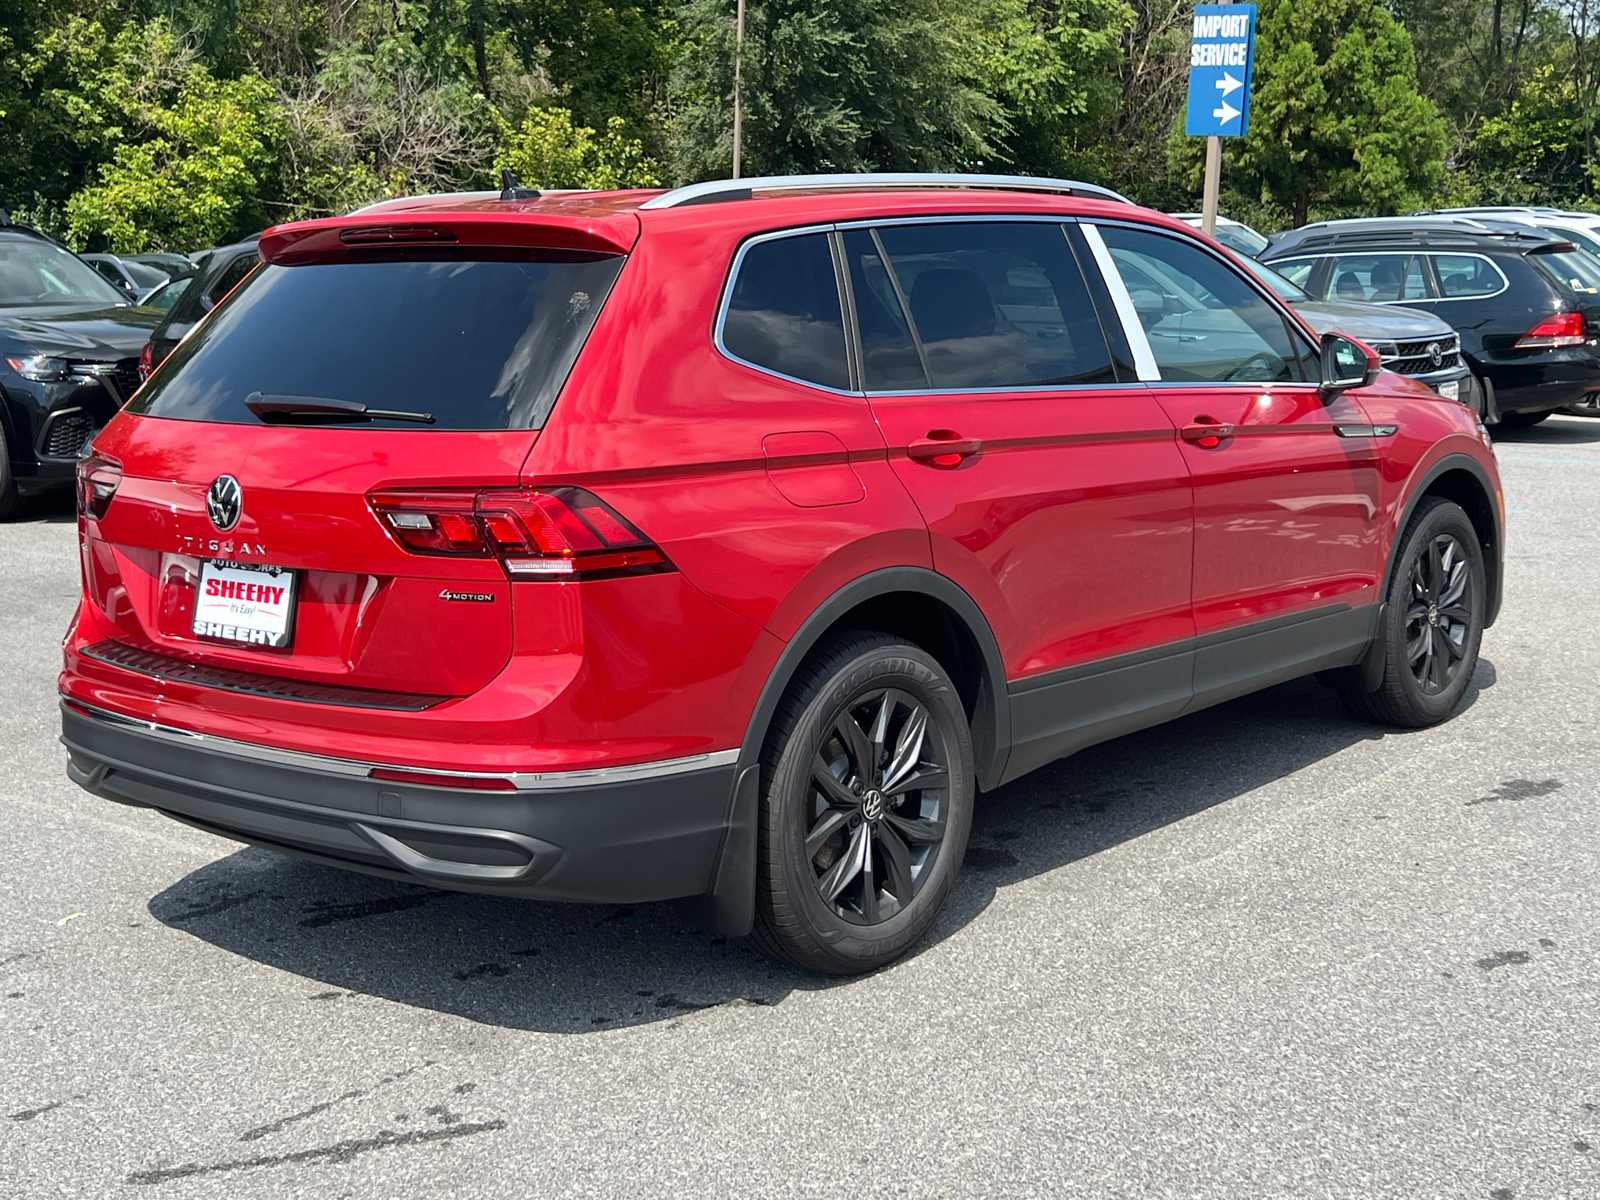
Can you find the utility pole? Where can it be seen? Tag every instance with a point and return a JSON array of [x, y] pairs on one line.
[[738, 98]]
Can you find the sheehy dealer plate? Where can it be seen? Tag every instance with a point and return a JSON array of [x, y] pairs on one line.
[[245, 602]]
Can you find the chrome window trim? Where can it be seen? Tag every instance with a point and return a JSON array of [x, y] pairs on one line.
[[957, 219], [1043, 389], [1144, 358], [1293, 323], [1421, 252], [522, 780], [727, 301]]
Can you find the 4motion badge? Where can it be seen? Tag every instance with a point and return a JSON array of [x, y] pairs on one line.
[[476, 597]]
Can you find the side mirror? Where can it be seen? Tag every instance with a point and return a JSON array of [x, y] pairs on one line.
[[1346, 364]]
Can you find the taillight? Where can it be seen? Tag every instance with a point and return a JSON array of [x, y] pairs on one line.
[[98, 479], [557, 533], [1558, 329], [147, 363]]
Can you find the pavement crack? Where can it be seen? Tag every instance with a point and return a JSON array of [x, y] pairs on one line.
[[339, 1152], [261, 1131], [29, 1114]]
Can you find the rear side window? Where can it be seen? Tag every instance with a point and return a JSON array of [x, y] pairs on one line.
[[994, 304], [1462, 276], [475, 344], [1377, 278], [1204, 322], [231, 275], [784, 314]]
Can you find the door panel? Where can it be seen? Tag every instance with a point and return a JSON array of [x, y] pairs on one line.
[[1285, 506], [1064, 510]]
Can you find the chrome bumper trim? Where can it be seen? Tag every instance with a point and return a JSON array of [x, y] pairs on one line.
[[528, 781]]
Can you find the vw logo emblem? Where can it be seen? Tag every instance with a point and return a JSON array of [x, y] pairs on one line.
[[1435, 355], [224, 502]]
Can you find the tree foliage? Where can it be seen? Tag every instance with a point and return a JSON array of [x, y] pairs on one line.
[[176, 123]]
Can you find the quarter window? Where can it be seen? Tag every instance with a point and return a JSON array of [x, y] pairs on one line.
[[1464, 275], [992, 304], [1203, 321], [784, 312]]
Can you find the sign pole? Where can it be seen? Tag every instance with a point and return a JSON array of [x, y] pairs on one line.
[[738, 107], [1208, 203]]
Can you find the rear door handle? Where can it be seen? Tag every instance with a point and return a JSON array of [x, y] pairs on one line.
[[943, 448]]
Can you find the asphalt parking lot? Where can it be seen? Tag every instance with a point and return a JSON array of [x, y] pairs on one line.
[[1266, 951]]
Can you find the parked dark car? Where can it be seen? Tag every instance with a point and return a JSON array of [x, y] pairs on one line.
[[135, 280], [1525, 302], [218, 271], [174, 266], [1410, 341], [69, 354]]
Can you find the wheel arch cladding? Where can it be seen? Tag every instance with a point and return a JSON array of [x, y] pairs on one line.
[[929, 611], [1463, 481]]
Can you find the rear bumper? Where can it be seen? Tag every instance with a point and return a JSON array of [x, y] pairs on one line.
[[619, 836]]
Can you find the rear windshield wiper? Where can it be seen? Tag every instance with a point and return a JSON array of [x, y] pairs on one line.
[[321, 410]]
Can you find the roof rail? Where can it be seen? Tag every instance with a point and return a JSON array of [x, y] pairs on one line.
[[716, 190]]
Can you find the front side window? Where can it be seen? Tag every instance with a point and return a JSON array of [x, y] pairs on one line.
[[993, 304], [1296, 270], [472, 344], [1463, 276], [1377, 278], [1204, 322], [784, 314]]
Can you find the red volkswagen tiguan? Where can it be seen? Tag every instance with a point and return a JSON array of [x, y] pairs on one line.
[[728, 541]]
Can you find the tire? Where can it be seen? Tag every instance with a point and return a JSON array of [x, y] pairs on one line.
[[1439, 593], [10, 499], [883, 859], [1523, 420]]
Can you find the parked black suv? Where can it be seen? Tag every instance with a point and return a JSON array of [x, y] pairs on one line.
[[219, 271], [1525, 302], [69, 354]]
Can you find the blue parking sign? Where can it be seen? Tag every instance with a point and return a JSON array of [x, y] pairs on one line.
[[1220, 58]]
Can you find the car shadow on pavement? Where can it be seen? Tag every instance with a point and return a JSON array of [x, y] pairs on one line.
[[58, 507], [1558, 431], [575, 968]]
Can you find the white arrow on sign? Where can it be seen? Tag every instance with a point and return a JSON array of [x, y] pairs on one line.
[[1229, 84], [1226, 113]]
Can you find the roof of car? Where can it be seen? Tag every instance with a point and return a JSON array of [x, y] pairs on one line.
[[1478, 233], [611, 221]]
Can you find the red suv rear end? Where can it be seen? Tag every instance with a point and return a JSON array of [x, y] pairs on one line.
[[727, 542]]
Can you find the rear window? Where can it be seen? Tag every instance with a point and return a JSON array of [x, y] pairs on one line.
[[475, 344], [1465, 276], [1574, 269]]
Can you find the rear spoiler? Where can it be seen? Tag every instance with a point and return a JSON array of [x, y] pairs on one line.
[[356, 237]]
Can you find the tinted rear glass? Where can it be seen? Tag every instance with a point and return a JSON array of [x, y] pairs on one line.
[[479, 345], [784, 313]]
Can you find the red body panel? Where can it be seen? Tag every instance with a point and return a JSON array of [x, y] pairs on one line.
[[1071, 526], [1285, 509]]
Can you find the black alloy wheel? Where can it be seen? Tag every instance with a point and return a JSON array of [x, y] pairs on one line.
[[1432, 621], [868, 784]]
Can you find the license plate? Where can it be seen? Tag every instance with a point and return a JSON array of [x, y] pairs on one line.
[[1451, 390], [245, 602]]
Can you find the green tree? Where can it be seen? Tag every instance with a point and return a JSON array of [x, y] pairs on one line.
[[1053, 65], [549, 150], [1337, 123], [869, 85]]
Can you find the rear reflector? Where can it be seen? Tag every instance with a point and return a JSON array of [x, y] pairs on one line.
[[98, 480], [1558, 329], [477, 783], [558, 533]]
